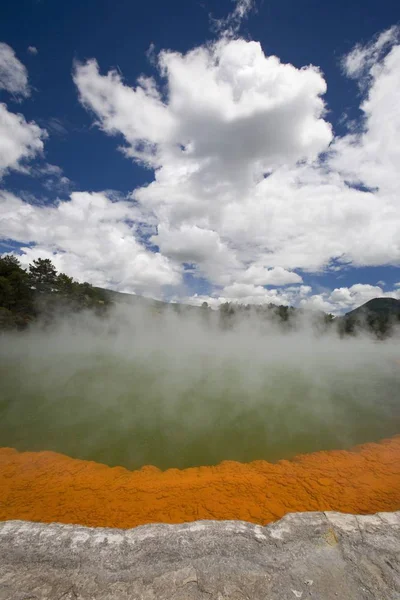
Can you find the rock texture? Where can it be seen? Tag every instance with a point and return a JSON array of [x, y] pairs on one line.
[[305, 555]]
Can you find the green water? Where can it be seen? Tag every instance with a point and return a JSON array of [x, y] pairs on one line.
[[133, 411]]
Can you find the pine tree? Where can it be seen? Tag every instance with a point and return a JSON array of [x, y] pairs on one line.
[[43, 275]]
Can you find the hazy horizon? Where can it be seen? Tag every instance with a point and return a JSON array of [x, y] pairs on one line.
[[172, 390]]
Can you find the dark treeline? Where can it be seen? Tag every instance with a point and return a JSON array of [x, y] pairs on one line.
[[379, 317], [287, 317], [41, 292]]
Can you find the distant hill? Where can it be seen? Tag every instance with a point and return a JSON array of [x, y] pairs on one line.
[[39, 292], [390, 306], [378, 315], [132, 299], [141, 301]]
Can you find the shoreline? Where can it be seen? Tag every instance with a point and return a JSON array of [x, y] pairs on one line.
[[50, 487]]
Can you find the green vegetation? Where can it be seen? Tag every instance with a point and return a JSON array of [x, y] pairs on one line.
[[41, 292], [288, 317], [379, 316], [176, 386]]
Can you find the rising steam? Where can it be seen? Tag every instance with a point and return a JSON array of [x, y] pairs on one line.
[[145, 387]]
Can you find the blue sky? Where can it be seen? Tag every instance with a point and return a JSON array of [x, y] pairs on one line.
[[247, 175]]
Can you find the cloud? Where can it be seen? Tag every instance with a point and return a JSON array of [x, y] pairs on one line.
[[230, 25], [33, 50], [356, 294], [243, 8], [246, 293], [260, 275], [336, 302], [19, 141], [250, 185], [56, 126], [53, 178], [344, 299], [199, 247], [232, 114], [13, 74], [371, 156], [91, 237], [249, 294], [137, 113], [363, 58], [251, 189], [50, 170], [240, 294]]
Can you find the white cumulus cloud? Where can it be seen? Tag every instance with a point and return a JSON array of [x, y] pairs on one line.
[[251, 189], [344, 299], [13, 74], [20, 140], [260, 275], [90, 237], [364, 57], [235, 141], [231, 115]]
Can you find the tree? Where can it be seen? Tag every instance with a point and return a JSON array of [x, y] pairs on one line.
[[22, 301], [15, 290], [42, 293], [43, 275], [64, 284], [283, 313], [227, 309], [6, 293], [9, 264]]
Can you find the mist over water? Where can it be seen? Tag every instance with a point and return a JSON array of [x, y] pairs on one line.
[[171, 390]]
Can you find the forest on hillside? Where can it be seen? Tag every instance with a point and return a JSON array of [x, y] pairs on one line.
[[40, 293]]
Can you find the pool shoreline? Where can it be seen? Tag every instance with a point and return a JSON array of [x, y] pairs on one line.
[[50, 487]]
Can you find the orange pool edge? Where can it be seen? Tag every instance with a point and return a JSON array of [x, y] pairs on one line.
[[51, 487]]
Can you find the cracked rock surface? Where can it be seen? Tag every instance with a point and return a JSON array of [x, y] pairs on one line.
[[304, 555]]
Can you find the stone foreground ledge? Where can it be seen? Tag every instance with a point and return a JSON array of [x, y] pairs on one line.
[[304, 555]]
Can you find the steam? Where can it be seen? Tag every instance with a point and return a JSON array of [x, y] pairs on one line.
[[146, 387]]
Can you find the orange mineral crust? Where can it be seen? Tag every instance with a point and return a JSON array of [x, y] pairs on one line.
[[45, 486]]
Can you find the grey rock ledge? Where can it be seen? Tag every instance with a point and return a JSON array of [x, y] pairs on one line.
[[315, 555]]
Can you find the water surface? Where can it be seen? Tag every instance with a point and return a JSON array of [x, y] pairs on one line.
[[151, 399]]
